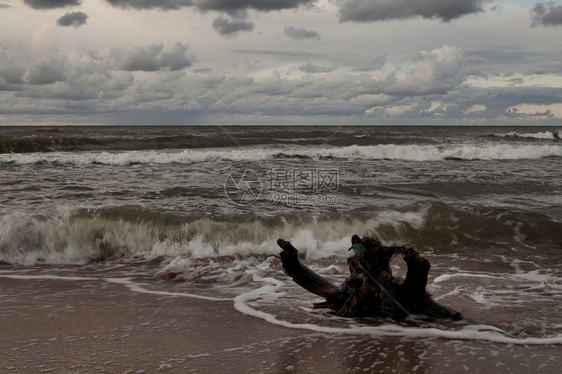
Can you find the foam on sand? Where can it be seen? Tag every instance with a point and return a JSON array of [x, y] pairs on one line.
[[271, 290]]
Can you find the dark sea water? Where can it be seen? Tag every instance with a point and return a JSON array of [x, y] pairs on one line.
[[205, 206]]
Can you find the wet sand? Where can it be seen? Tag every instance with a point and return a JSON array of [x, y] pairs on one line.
[[99, 327]]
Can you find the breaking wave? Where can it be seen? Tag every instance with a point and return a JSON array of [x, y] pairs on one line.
[[545, 135], [82, 236], [408, 152]]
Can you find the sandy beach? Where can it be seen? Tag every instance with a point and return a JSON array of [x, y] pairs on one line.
[[65, 326]]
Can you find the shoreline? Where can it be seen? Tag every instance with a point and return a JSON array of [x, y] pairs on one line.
[[89, 326]]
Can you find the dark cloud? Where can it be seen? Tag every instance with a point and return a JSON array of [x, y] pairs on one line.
[[154, 58], [75, 19], [180, 56], [382, 10], [140, 58], [313, 68], [50, 4], [46, 72], [301, 33], [547, 15], [232, 7], [4, 6], [87, 86], [12, 74], [225, 26], [151, 4], [237, 9], [11, 68], [237, 6]]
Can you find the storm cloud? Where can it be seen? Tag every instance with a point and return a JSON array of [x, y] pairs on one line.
[[383, 10], [51, 4], [547, 15], [301, 33], [89, 87], [45, 72], [236, 6], [236, 9], [233, 7], [150, 4], [389, 73], [75, 19], [225, 26], [154, 58]]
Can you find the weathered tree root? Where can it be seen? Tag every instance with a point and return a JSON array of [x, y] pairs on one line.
[[371, 290]]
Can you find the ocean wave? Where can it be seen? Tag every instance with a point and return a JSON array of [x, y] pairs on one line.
[[74, 143], [82, 236], [407, 152], [76, 139], [545, 135]]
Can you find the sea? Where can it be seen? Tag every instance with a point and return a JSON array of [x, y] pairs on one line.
[[195, 211]]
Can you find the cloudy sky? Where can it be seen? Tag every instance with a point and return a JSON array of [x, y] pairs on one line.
[[280, 62]]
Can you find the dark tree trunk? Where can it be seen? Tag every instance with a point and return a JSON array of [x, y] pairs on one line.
[[371, 290]]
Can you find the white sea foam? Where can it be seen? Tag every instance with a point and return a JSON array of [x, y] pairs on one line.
[[546, 135], [522, 290], [271, 291], [446, 277], [136, 287], [407, 152], [481, 298], [531, 277]]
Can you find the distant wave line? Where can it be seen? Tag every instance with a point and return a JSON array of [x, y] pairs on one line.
[[405, 152]]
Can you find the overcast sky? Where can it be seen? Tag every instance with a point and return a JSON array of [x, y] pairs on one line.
[[280, 62]]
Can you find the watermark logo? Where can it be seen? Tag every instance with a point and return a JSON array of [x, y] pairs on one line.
[[243, 187], [289, 187], [306, 180], [296, 199]]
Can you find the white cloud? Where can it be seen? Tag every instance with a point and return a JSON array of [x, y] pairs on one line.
[[435, 72], [397, 110], [536, 110], [476, 108]]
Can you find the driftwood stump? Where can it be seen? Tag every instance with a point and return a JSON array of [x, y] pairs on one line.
[[370, 289]]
